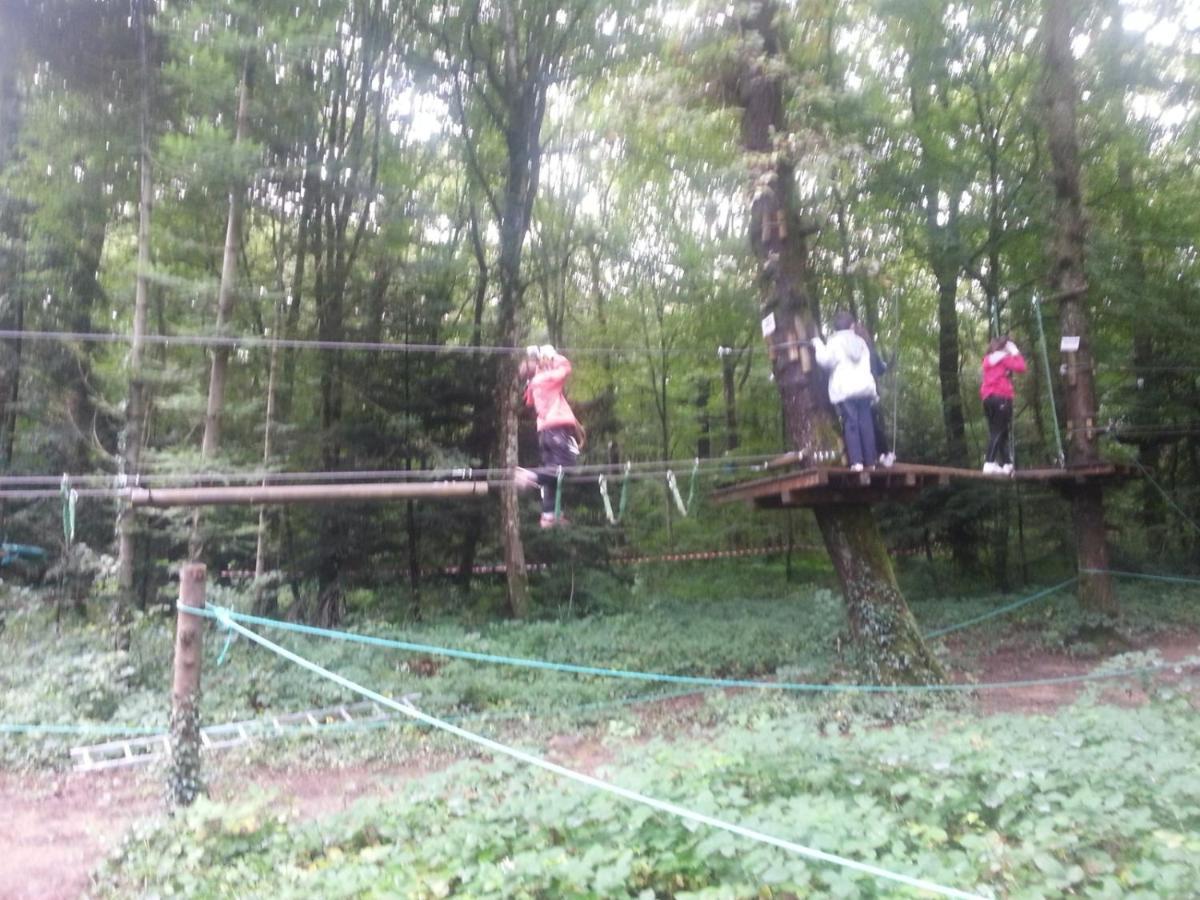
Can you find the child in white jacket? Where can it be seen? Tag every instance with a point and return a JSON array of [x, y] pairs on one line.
[[851, 387]]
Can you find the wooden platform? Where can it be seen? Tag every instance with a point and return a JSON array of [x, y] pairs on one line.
[[825, 485]]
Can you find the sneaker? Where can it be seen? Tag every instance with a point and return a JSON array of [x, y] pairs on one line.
[[990, 468], [1006, 469], [887, 459], [547, 520], [857, 467]]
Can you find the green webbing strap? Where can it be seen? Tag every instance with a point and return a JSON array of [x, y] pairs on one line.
[[673, 484], [613, 520], [70, 497], [558, 495]]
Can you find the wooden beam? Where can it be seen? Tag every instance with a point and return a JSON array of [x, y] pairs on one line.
[[303, 493]]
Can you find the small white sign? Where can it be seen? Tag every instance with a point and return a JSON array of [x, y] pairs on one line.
[[1069, 344], [768, 325]]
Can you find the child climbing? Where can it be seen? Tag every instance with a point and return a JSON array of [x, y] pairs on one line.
[[1000, 362], [559, 432], [887, 454], [851, 387]]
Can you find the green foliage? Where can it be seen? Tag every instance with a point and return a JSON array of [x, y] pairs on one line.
[[1099, 801]]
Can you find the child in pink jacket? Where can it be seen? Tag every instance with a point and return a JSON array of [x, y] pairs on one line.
[[558, 430], [1000, 363]]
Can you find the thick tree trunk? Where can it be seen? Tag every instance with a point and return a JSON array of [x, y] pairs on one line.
[[890, 644], [1068, 284]]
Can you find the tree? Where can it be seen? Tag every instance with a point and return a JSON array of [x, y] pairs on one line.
[[881, 624], [1069, 287]]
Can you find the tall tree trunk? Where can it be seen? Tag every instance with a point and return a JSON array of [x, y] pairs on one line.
[[226, 296], [1068, 285], [882, 627], [136, 403], [729, 389]]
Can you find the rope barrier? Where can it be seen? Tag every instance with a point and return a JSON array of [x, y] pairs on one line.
[[219, 612], [1144, 576], [590, 781], [1017, 604]]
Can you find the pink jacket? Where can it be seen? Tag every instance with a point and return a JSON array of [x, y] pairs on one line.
[[998, 368], [545, 394]]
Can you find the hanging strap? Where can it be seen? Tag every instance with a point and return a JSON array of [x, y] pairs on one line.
[[70, 497], [674, 486], [608, 511], [558, 495]]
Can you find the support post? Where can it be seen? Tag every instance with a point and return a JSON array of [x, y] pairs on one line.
[[183, 777]]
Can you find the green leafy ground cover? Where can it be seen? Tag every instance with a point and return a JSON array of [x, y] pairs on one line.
[[727, 620], [1099, 801]]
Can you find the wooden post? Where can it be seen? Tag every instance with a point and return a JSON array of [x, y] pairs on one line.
[[183, 777]]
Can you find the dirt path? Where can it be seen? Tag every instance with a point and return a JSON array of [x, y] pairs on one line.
[[55, 829]]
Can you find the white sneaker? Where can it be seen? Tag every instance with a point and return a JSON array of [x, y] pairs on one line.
[[1006, 469], [887, 459], [990, 468], [857, 467]]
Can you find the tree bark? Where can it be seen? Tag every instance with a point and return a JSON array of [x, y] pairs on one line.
[[1068, 285], [226, 296], [133, 437], [881, 626]]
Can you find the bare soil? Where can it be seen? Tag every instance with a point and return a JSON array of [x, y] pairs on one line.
[[56, 828]]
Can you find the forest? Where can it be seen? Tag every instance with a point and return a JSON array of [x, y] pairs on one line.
[[306, 245]]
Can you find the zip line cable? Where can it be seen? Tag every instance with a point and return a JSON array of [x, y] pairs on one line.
[[249, 342], [597, 784]]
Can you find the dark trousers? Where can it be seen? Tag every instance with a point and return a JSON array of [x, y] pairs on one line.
[[858, 430], [558, 447], [881, 438], [999, 413]]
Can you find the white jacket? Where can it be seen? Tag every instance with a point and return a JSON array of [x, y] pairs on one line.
[[847, 357]]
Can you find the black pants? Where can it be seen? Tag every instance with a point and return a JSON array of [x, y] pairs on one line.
[[999, 412], [881, 438], [858, 430], [558, 447]]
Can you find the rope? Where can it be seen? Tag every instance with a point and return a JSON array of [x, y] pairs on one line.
[[253, 342], [1170, 500], [219, 612], [558, 495], [589, 781], [1037, 317], [1144, 576], [1017, 604]]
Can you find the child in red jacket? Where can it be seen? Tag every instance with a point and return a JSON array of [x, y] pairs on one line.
[[1001, 361], [559, 431]]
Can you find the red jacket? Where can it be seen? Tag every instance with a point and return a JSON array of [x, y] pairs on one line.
[[545, 394], [998, 369]]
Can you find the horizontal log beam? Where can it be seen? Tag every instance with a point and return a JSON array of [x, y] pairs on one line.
[[272, 494]]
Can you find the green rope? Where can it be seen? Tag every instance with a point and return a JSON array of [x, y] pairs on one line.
[[1158, 487], [1144, 576], [590, 781], [558, 495], [1037, 316], [1016, 604], [221, 614]]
